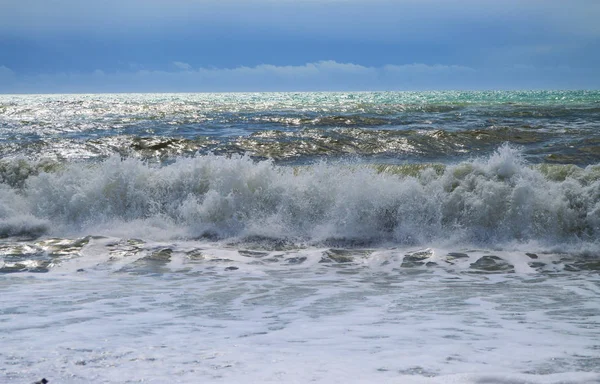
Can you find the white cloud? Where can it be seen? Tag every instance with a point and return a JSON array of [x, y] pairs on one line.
[[323, 75], [318, 76], [182, 66], [423, 68], [6, 72], [7, 79]]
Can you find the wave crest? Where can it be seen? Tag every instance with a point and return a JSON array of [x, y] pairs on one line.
[[491, 200]]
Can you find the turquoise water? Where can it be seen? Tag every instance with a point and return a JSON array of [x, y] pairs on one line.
[[299, 128]]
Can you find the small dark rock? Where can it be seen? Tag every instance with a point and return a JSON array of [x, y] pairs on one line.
[[536, 264], [411, 264], [584, 265], [337, 255], [592, 265], [43, 381], [416, 259], [163, 255], [491, 264], [418, 256], [81, 270], [458, 255], [135, 242], [571, 268], [249, 253], [271, 260], [195, 255], [209, 235], [296, 260], [231, 268], [532, 255]]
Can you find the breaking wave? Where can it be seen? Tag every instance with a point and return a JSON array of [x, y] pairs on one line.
[[491, 200]]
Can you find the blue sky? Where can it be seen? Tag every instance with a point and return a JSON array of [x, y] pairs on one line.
[[297, 45]]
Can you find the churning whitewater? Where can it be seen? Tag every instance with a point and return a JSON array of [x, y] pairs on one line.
[[488, 201], [419, 237]]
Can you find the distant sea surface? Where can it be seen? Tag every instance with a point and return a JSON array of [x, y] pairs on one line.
[[397, 237]]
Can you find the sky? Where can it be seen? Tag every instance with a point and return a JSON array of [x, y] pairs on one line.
[[89, 46]]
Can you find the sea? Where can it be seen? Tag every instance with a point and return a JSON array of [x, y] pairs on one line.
[[376, 237]]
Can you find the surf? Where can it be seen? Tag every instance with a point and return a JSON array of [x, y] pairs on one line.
[[486, 201]]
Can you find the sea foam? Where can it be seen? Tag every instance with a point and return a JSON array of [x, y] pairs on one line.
[[493, 200]]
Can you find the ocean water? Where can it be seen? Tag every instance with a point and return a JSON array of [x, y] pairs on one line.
[[426, 237]]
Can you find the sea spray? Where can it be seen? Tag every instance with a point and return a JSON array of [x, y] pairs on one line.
[[489, 200]]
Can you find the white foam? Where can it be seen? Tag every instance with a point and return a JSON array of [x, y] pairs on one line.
[[296, 325], [492, 201]]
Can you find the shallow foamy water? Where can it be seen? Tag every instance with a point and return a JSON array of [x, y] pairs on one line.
[[127, 311]]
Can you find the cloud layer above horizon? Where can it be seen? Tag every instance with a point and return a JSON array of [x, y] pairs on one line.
[[320, 76], [279, 45]]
